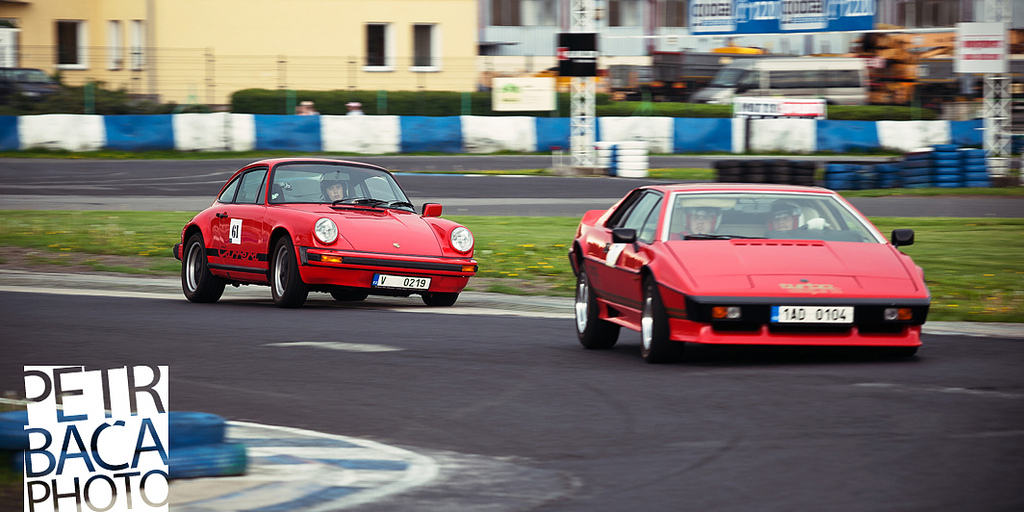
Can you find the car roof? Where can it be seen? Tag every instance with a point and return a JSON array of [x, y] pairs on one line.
[[737, 187], [271, 162]]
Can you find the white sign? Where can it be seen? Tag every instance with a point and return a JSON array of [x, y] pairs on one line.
[[981, 48], [766, 107], [532, 94]]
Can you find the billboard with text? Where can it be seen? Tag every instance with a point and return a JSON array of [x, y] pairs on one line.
[[742, 17]]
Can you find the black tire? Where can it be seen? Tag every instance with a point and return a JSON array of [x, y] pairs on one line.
[[655, 344], [198, 284], [285, 282], [440, 298], [350, 294], [593, 332]]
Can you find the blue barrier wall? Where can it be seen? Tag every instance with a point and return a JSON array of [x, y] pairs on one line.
[[552, 131], [702, 135], [139, 132], [288, 133], [846, 136], [9, 133], [442, 134], [967, 133]]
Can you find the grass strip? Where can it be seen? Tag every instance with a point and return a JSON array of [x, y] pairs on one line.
[[972, 265]]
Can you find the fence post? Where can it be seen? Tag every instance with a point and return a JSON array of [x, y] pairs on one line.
[[467, 106], [289, 102], [382, 103], [90, 98]]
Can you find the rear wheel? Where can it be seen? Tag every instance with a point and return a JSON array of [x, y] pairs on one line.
[[656, 345], [593, 331], [440, 298], [197, 282], [285, 282]]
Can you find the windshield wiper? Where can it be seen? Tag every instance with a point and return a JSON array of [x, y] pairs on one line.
[[698, 236], [395, 204], [360, 201]]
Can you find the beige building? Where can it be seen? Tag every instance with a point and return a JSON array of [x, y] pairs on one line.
[[201, 51]]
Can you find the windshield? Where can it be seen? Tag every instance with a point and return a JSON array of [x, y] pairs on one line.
[[766, 215], [728, 77], [335, 184]]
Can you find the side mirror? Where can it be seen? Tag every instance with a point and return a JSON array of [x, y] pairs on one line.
[[623, 236], [902, 237], [431, 210]]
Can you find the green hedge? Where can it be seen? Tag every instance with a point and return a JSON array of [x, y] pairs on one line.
[[442, 103]]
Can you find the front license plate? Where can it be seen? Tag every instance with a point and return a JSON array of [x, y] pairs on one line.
[[401, 282], [812, 315]]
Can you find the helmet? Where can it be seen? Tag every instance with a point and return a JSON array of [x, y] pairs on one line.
[[694, 212], [783, 210], [330, 180]]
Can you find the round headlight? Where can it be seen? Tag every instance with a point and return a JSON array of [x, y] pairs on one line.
[[462, 239], [325, 230]]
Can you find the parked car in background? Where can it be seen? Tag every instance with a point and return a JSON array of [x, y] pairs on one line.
[[744, 264], [837, 80], [345, 228], [29, 82]]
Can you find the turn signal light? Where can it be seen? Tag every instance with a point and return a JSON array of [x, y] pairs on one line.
[[726, 312], [892, 314], [330, 259], [469, 268]]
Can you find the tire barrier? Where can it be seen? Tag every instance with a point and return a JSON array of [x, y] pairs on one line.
[[196, 446], [626, 159], [941, 165], [782, 172]]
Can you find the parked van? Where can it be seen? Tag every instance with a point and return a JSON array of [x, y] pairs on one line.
[[839, 80]]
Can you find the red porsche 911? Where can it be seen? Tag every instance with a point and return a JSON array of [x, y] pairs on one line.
[[345, 228], [743, 264]]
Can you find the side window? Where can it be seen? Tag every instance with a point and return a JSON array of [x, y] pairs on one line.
[[615, 221], [650, 225], [645, 211], [250, 191], [228, 196]]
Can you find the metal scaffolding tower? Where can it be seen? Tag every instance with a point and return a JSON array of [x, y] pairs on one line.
[[997, 102], [582, 127]]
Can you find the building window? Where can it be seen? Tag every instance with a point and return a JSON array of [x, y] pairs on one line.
[[672, 13], [425, 47], [625, 13], [539, 13], [115, 57], [378, 45], [505, 13], [138, 50], [928, 13], [71, 45]]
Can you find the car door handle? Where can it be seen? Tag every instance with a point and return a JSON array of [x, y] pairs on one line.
[[222, 215]]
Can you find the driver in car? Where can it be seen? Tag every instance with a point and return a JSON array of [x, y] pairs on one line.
[[702, 220], [333, 188]]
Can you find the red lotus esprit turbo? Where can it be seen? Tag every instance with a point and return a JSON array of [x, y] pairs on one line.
[[743, 264], [301, 225]]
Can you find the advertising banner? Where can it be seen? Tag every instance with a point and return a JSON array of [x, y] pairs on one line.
[[771, 107], [980, 48], [530, 94], [739, 17], [577, 54]]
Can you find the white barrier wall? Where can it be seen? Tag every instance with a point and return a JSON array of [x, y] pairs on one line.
[[489, 134], [909, 135], [361, 134], [658, 132], [202, 132], [790, 135], [70, 132], [243, 132]]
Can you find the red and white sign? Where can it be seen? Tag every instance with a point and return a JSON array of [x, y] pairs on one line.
[[790, 108], [981, 48]]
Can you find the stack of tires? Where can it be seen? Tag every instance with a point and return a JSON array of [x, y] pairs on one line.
[[196, 446], [947, 163], [918, 169], [783, 172], [975, 168], [889, 175], [849, 177]]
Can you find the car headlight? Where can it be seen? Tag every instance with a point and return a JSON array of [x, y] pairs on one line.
[[325, 230], [462, 239]]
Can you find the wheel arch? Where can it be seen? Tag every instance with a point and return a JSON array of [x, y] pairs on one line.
[[275, 235]]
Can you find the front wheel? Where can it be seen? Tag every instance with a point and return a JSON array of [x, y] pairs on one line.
[[440, 298], [593, 331], [656, 345], [197, 282], [285, 282]]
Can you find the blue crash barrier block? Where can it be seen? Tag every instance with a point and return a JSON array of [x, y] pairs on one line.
[[441, 134], [9, 139], [846, 136], [288, 133], [139, 132], [698, 135]]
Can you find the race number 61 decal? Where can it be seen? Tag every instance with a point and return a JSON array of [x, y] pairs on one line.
[[236, 231]]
